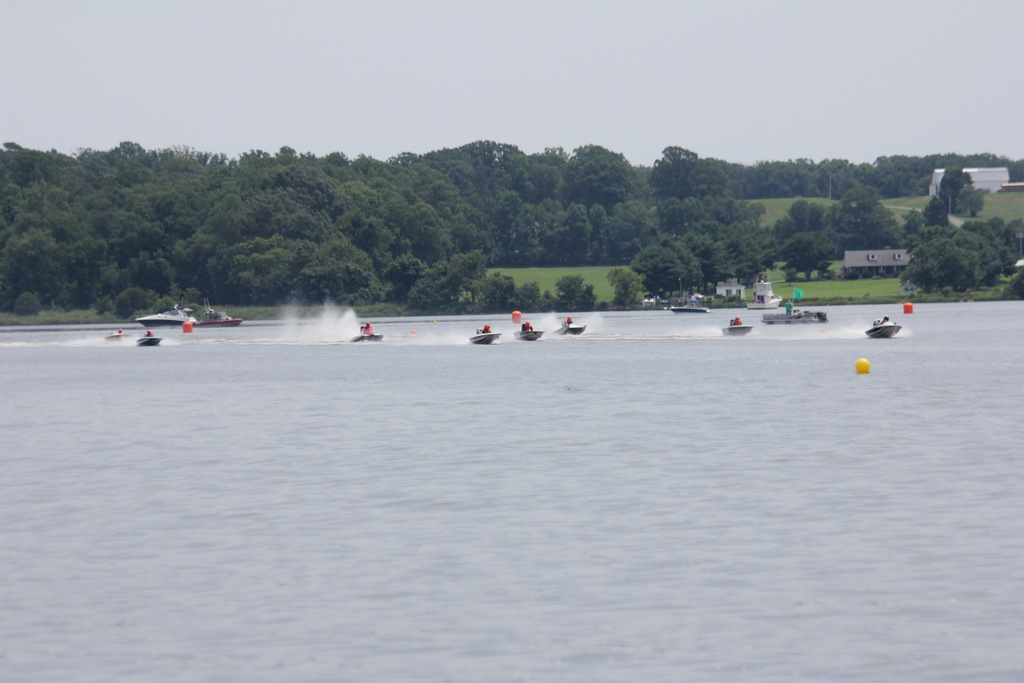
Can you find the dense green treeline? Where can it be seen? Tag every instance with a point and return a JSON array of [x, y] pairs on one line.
[[124, 229], [897, 176]]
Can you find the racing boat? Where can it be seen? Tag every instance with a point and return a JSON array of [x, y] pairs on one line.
[[148, 340], [883, 329], [528, 335], [117, 336], [736, 328], [569, 328], [484, 336], [366, 334], [171, 317]]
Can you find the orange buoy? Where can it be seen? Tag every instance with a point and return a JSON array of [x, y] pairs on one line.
[[517, 317], [908, 308], [186, 327]]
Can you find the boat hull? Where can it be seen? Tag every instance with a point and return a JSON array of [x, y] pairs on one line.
[[883, 331], [736, 330], [765, 305], [571, 329], [689, 309], [148, 341], [228, 322], [528, 335], [484, 338], [368, 338], [150, 321], [117, 337], [795, 317]]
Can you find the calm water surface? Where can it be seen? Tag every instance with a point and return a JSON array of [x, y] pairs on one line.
[[651, 501]]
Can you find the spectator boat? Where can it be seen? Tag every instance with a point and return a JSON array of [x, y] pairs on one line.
[[693, 305], [170, 317], [764, 297], [214, 318], [795, 316]]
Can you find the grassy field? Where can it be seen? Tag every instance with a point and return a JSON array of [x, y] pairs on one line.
[[1005, 205], [547, 277], [777, 208]]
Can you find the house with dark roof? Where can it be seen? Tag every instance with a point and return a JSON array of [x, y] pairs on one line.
[[868, 263]]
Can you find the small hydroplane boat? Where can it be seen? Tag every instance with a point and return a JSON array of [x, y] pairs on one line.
[[569, 328], [484, 336], [366, 334], [736, 328], [148, 340], [883, 329], [117, 336], [527, 333]]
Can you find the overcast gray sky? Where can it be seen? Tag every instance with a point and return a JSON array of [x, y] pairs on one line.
[[739, 80]]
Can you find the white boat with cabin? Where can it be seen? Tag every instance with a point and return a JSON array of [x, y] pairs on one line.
[[764, 297]]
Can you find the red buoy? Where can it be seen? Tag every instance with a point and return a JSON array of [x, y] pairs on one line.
[[186, 326], [517, 317], [908, 308]]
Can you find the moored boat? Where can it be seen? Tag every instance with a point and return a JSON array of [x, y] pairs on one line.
[[214, 318], [883, 329], [692, 305], [764, 297], [794, 316], [171, 317]]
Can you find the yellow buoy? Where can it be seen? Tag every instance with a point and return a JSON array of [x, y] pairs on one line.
[[863, 366]]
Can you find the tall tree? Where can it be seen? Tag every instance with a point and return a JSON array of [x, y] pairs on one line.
[[595, 175]]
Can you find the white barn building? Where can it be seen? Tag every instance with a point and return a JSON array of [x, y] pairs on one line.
[[984, 179]]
